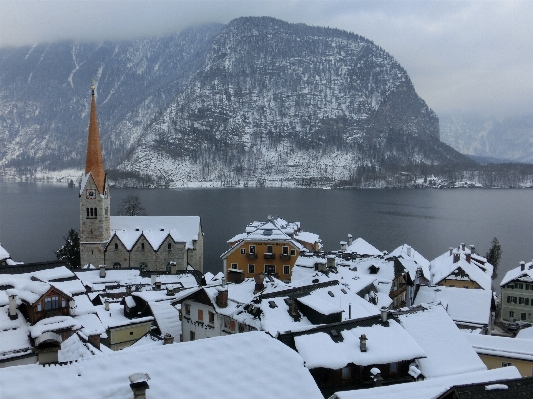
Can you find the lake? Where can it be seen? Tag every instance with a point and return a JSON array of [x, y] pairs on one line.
[[34, 217]]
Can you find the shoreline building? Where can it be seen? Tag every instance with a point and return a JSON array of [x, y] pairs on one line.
[[151, 243]]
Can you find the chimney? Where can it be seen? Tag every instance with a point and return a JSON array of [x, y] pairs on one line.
[[463, 246], [153, 279], [173, 268], [343, 245], [468, 256], [12, 294], [349, 311], [320, 266], [331, 261], [362, 342], [259, 282], [106, 304], [350, 239], [72, 307], [223, 282], [456, 257], [409, 251], [472, 249], [384, 314], [102, 271], [522, 266], [293, 309], [451, 251], [376, 376], [128, 289], [139, 385], [168, 339], [222, 296], [157, 286]]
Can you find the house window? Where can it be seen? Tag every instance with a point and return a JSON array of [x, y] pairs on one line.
[[243, 251], [63, 303], [211, 317], [511, 314], [191, 335], [187, 309], [252, 249], [285, 250], [270, 249], [169, 246], [234, 266], [520, 301], [251, 269], [200, 315], [116, 265], [232, 326], [39, 306], [47, 303], [116, 246], [393, 367], [55, 302], [270, 269], [293, 252], [286, 269], [522, 316], [507, 364], [346, 373]]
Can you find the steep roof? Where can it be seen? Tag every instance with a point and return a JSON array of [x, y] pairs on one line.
[[94, 162], [515, 348], [362, 247], [443, 266], [518, 273]]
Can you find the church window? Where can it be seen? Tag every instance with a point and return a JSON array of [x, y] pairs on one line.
[[92, 212], [116, 246], [87, 212], [142, 246], [143, 266], [169, 246], [116, 265], [95, 212]]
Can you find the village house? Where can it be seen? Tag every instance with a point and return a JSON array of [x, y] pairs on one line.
[[269, 247], [517, 293], [152, 243], [499, 352]]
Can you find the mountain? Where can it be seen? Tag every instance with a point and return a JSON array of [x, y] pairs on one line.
[[258, 98], [507, 139]]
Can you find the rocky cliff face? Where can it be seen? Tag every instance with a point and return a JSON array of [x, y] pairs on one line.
[[257, 98]]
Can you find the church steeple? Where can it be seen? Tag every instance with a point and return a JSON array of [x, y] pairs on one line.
[[94, 162]]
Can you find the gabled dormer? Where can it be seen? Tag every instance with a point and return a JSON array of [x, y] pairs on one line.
[[53, 302]]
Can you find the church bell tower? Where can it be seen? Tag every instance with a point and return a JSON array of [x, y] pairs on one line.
[[94, 198]]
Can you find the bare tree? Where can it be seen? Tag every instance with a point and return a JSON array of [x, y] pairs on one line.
[[131, 206]]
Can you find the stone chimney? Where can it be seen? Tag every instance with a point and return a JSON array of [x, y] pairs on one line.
[[451, 251], [72, 307], [157, 286], [106, 304], [12, 294], [456, 257], [362, 342], [330, 261], [139, 385], [350, 239], [320, 266], [472, 249], [468, 257], [463, 247], [128, 289], [102, 271], [522, 266], [343, 245], [384, 314], [259, 282], [222, 296], [168, 339]]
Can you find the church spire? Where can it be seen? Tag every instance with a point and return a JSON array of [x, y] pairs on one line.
[[94, 162]]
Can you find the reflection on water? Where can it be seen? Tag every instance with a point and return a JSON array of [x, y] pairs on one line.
[[35, 217]]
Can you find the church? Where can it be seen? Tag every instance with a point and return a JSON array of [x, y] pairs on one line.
[[150, 243]]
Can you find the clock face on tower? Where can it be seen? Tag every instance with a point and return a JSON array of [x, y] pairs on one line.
[[90, 193]]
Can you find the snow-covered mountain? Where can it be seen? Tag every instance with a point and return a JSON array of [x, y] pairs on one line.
[[256, 98], [508, 139]]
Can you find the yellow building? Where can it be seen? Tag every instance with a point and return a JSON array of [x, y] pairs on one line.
[[270, 247]]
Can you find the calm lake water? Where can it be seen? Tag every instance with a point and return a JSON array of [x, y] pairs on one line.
[[34, 217]]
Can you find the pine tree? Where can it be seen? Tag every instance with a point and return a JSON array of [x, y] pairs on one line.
[[70, 252], [493, 256]]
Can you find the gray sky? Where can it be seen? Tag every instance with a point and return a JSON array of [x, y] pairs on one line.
[[461, 55]]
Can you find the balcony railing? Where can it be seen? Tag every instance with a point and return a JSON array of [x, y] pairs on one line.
[[285, 256], [269, 255], [251, 256]]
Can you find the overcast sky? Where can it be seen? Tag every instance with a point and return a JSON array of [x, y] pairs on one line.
[[472, 56]]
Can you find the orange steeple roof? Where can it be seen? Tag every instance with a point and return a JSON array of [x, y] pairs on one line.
[[94, 162]]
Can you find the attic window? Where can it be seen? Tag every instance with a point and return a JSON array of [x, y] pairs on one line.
[[161, 229], [267, 232], [343, 291], [331, 294], [137, 229], [272, 304]]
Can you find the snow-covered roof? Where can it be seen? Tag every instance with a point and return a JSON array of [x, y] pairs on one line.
[[155, 229], [54, 323], [114, 317], [385, 344], [518, 273], [253, 365], [167, 318], [525, 333], [463, 305], [443, 266], [306, 236], [363, 248], [15, 342], [3, 253], [73, 349], [430, 388], [516, 348], [411, 260], [448, 351]]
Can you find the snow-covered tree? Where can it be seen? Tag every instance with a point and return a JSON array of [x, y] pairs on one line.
[[70, 251]]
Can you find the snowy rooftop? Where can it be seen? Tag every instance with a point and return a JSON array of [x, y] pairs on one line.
[[448, 351], [3, 253], [156, 228], [266, 369], [516, 348], [431, 388], [525, 333], [385, 344], [114, 317], [463, 305], [517, 273], [362, 248]]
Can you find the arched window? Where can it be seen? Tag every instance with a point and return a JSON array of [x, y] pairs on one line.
[[143, 266], [116, 265], [92, 212], [95, 212], [87, 212]]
